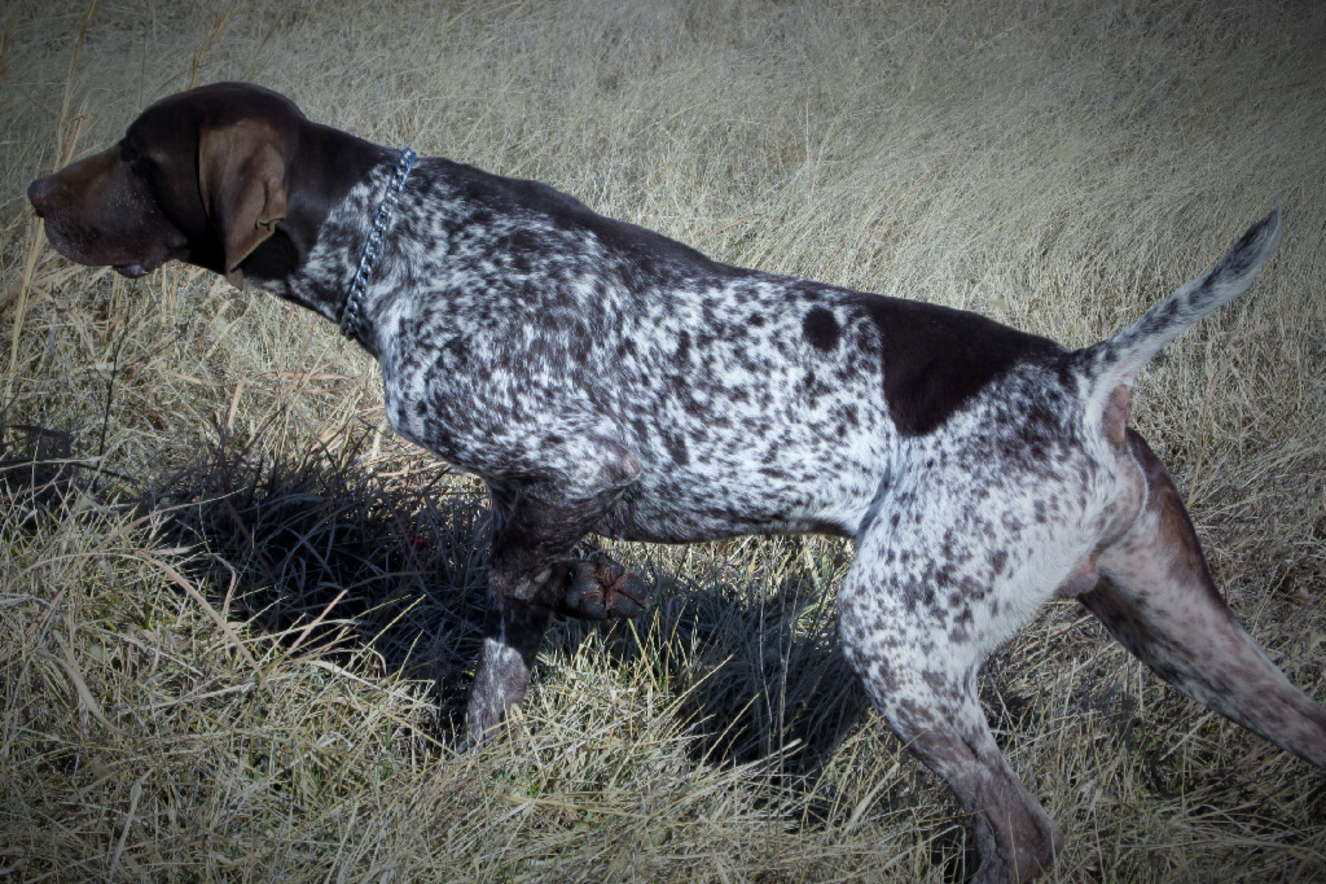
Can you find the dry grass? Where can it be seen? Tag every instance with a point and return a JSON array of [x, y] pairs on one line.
[[235, 616]]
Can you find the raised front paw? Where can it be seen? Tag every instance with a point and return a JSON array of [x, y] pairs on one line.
[[599, 588]]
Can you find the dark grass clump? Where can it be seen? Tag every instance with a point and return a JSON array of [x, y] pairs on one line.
[[337, 552]]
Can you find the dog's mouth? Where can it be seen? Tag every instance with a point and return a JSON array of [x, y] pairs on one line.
[[81, 246], [131, 270]]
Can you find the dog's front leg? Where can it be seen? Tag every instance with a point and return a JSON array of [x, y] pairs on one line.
[[531, 528], [513, 631], [537, 522]]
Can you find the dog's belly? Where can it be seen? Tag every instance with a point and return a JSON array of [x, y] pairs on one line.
[[669, 518], [826, 493]]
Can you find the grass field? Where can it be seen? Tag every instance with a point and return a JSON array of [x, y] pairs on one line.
[[236, 613]]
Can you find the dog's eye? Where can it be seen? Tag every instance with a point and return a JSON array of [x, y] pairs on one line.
[[141, 164]]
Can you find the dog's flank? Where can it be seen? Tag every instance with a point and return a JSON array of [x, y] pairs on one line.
[[603, 378]]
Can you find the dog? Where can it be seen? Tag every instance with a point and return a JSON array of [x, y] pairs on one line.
[[601, 377]]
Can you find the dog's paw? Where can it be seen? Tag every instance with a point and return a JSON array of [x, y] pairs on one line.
[[599, 589]]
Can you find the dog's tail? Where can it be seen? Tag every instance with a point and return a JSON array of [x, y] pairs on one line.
[[1109, 368]]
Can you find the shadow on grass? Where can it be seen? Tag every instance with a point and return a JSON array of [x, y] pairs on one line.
[[343, 554], [340, 552]]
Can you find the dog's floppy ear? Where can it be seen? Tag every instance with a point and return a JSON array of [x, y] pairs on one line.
[[241, 177]]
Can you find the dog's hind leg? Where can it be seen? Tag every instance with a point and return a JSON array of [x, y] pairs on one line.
[[935, 711], [916, 625], [1157, 597]]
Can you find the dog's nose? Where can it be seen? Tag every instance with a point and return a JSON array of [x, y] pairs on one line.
[[39, 194]]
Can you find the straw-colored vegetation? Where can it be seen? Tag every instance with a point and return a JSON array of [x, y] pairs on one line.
[[236, 614]]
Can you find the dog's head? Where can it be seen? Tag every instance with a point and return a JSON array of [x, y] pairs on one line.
[[200, 176]]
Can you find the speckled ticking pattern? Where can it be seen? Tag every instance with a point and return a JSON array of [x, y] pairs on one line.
[[602, 378]]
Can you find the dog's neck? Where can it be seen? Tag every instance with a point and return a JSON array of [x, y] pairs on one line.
[[318, 250]]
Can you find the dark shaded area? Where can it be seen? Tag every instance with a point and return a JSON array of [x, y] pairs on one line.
[[333, 554], [36, 467]]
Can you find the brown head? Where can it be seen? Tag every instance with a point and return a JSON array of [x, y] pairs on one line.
[[201, 176]]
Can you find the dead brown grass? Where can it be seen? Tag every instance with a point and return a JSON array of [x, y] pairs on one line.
[[236, 614]]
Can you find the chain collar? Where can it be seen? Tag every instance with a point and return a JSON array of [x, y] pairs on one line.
[[350, 313]]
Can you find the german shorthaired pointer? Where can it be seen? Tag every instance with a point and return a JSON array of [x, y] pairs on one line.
[[602, 378]]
